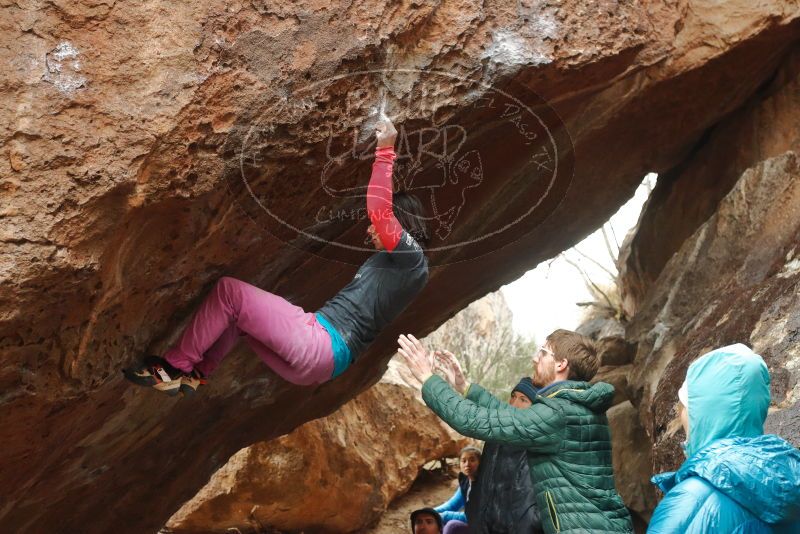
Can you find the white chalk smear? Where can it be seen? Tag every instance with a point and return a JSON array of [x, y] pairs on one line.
[[61, 72], [64, 50], [508, 48], [382, 110], [382, 104]]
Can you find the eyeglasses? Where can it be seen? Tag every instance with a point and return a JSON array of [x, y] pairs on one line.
[[541, 352]]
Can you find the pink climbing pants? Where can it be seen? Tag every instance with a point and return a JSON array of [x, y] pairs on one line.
[[289, 340]]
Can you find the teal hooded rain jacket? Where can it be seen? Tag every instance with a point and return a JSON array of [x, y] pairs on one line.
[[735, 478]]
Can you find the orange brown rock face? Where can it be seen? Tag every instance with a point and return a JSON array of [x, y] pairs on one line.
[[123, 130], [734, 275], [335, 474]]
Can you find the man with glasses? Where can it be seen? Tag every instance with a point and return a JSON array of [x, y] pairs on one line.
[[565, 429]]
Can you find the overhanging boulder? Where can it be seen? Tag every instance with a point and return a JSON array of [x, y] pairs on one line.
[[126, 195]]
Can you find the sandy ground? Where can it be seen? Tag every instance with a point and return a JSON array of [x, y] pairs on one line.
[[430, 489]]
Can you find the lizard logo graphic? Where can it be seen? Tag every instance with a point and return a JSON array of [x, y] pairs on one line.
[[441, 158]]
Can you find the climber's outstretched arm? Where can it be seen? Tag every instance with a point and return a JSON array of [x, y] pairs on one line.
[[379, 191]]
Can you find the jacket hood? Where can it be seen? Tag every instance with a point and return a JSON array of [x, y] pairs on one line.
[[597, 397], [728, 396], [762, 474]]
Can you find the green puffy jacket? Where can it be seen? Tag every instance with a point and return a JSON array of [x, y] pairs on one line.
[[569, 447]]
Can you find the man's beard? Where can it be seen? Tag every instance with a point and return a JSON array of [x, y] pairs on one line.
[[547, 375]]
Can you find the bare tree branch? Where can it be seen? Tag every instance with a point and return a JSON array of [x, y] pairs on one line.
[[596, 305], [588, 281], [611, 252], [612, 275]]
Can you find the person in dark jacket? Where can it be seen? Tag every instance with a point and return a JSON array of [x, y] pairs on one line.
[[565, 431], [735, 479], [452, 511], [426, 521], [503, 500]]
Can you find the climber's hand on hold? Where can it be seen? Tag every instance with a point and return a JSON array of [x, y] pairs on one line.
[[385, 132]]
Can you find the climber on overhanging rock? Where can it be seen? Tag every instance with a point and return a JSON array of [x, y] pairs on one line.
[[308, 348], [564, 431]]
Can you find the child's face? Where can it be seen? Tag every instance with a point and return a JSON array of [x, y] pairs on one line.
[[469, 464], [426, 524], [519, 400]]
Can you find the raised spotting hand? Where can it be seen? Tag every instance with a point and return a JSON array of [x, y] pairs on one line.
[[451, 368], [416, 356]]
